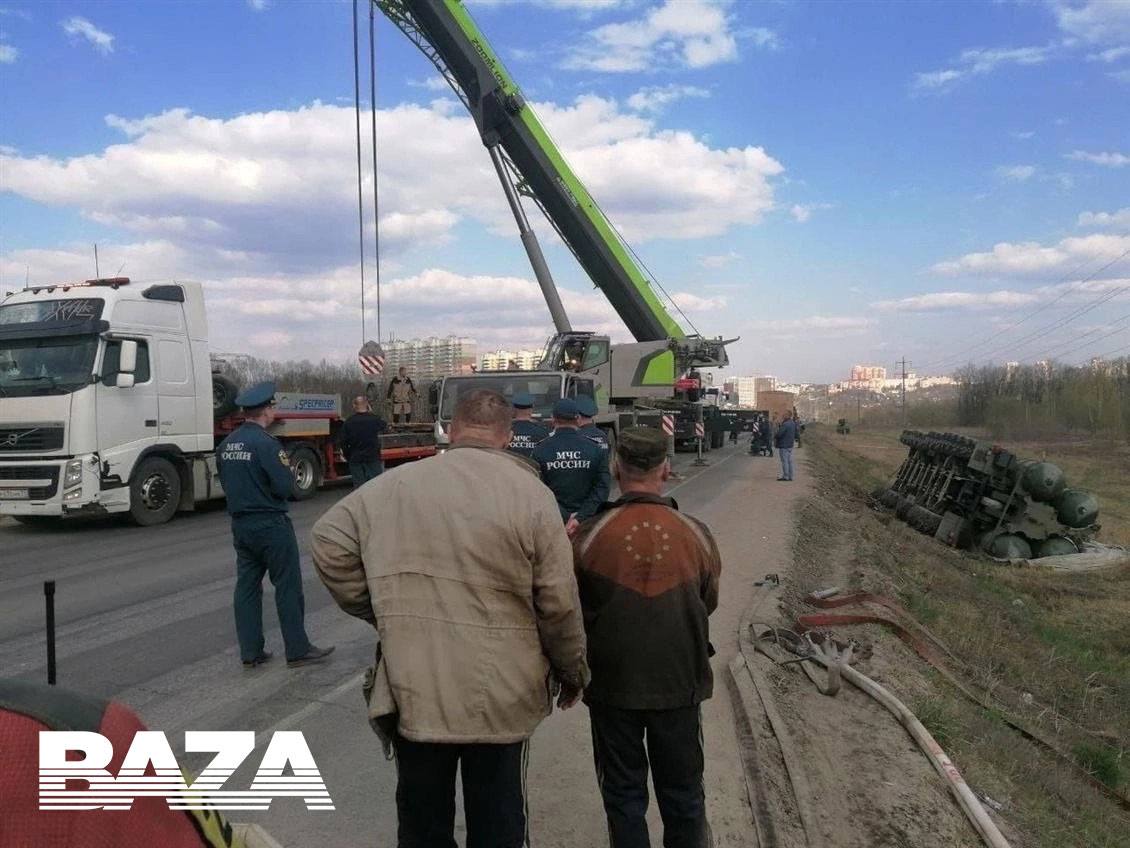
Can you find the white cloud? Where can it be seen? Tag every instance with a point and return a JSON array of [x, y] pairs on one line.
[[258, 5], [8, 54], [1119, 220], [688, 302], [657, 98], [432, 83], [940, 301], [1112, 54], [1016, 173], [77, 27], [282, 184], [977, 61], [1108, 160], [687, 33], [1095, 21], [1022, 136], [1033, 258], [262, 207], [1069, 292], [813, 326], [802, 212], [719, 260], [1120, 76]]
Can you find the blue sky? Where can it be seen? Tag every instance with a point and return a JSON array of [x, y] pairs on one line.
[[833, 182]]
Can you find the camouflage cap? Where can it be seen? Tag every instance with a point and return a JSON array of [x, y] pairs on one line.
[[643, 448]]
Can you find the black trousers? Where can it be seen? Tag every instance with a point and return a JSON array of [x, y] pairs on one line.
[[494, 794], [625, 743]]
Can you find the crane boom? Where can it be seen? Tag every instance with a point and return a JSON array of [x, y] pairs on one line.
[[449, 37]]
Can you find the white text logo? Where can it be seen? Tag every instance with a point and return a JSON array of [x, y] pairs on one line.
[[150, 770]]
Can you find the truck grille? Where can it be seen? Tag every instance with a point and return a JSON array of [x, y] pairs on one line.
[[33, 472], [31, 437]]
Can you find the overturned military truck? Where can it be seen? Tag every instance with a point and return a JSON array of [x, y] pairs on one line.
[[976, 495]]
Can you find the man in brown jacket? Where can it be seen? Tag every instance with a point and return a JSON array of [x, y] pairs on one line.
[[648, 577], [476, 605]]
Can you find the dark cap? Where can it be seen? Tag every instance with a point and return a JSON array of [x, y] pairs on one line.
[[258, 395], [565, 409], [522, 401], [642, 448], [586, 406]]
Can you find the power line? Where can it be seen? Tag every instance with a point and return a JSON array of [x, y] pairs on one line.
[[1076, 313], [953, 359]]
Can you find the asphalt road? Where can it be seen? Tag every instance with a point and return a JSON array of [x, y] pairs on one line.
[[144, 616]]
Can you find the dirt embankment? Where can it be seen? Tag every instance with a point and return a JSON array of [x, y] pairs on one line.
[[1050, 650]]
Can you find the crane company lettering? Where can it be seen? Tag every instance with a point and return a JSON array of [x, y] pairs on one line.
[[150, 770], [568, 459]]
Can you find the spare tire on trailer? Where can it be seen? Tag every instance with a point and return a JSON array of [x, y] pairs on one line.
[[224, 392], [307, 471]]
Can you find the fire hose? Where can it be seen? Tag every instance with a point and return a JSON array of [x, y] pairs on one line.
[[968, 802], [928, 646]]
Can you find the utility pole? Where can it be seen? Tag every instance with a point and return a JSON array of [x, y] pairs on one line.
[[902, 363]]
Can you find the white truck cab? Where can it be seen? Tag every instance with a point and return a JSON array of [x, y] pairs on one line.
[[105, 400]]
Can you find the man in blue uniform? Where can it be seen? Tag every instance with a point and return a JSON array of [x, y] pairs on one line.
[[573, 466], [525, 433], [257, 479], [586, 407]]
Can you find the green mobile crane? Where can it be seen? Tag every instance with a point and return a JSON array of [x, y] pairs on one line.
[[530, 165]]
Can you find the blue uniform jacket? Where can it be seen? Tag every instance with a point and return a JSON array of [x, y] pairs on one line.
[[576, 469], [524, 437], [255, 471]]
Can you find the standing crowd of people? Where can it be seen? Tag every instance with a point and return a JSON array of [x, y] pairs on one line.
[[511, 583]]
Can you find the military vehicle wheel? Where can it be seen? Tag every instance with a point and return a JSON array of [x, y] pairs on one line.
[[154, 492], [307, 472], [902, 508], [224, 391]]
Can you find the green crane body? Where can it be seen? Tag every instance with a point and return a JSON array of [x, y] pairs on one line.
[[445, 32]]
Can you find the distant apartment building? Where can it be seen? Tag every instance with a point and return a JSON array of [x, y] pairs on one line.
[[746, 388], [503, 360], [429, 358], [765, 383], [861, 373]]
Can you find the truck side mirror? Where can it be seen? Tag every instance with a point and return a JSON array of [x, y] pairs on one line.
[[127, 357], [127, 364]]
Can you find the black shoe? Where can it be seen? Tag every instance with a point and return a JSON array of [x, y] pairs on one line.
[[782, 479], [314, 655], [263, 657]]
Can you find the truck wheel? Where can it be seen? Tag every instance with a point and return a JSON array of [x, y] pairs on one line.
[[154, 492], [307, 473], [224, 391]]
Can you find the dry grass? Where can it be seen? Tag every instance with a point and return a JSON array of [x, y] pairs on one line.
[[1052, 648]]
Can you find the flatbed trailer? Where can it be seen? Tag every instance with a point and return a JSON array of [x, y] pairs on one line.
[[309, 425]]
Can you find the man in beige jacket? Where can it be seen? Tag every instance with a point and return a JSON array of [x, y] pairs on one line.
[[477, 610]]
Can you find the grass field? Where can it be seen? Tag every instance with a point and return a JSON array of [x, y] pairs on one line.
[[1051, 649]]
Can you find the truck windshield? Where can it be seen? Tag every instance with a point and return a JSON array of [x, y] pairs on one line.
[[52, 365], [543, 388]]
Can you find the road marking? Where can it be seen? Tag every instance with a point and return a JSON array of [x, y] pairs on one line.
[[303, 713], [702, 473]]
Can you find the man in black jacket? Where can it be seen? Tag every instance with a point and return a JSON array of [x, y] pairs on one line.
[[360, 442]]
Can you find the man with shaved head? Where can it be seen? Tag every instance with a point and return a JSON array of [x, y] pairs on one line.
[[360, 441], [476, 605]]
